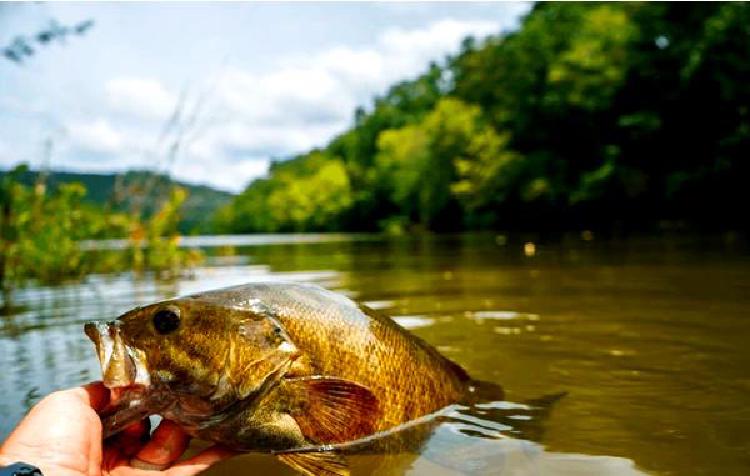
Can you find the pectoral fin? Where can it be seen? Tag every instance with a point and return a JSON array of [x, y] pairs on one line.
[[331, 410], [317, 464]]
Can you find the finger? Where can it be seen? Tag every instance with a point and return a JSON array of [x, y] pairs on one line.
[[77, 402], [120, 447], [138, 430], [113, 458], [201, 461], [94, 395], [132, 438], [167, 444], [64, 426]]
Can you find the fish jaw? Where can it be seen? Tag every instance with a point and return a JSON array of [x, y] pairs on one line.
[[125, 374], [122, 366]]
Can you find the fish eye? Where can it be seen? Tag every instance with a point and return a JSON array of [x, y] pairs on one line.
[[166, 321]]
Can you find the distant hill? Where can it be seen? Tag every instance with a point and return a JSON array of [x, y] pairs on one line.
[[198, 210]]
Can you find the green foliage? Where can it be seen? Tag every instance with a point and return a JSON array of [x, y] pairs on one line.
[[24, 47], [590, 70], [154, 244], [591, 114], [451, 156], [143, 187], [307, 193], [41, 233]]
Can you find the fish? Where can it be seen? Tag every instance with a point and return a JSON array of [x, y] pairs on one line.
[[274, 367]]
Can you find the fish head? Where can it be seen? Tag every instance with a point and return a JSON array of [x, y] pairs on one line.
[[186, 350]]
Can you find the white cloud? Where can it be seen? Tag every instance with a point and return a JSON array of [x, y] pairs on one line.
[[355, 67], [409, 51], [98, 136], [325, 88], [286, 96], [304, 102], [298, 103], [439, 37], [223, 173], [142, 97], [242, 139], [398, 54], [234, 153]]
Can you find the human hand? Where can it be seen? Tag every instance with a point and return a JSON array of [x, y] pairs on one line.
[[62, 435]]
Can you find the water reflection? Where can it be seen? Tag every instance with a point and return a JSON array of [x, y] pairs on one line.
[[495, 438], [647, 336], [462, 441]]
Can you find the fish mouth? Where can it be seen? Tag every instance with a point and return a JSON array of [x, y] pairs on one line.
[[124, 373], [122, 366]]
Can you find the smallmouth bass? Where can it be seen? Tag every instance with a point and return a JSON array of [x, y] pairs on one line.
[[272, 367]]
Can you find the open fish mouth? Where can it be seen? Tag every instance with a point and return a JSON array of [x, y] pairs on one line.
[[124, 372]]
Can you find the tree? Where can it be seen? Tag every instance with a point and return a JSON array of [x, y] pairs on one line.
[[450, 158], [590, 114]]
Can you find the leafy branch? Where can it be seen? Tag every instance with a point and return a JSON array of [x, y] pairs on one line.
[[23, 47]]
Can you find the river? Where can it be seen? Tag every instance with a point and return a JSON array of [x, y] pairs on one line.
[[649, 337]]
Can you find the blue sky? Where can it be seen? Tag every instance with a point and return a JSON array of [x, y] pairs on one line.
[[257, 80]]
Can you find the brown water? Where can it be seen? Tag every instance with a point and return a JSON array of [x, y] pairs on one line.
[[649, 337]]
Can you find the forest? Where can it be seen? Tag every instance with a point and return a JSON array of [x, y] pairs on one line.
[[589, 116]]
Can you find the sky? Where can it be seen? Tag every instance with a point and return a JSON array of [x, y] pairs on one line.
[[243, 83]]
